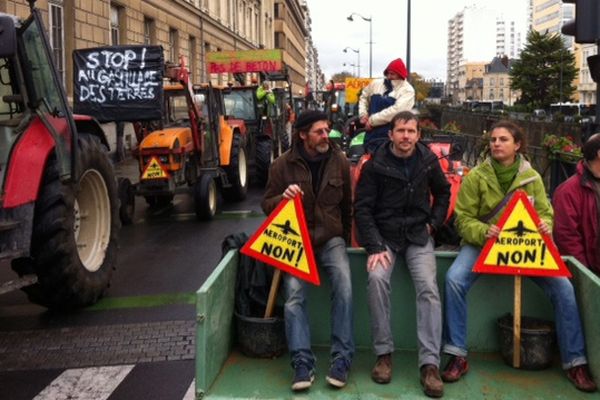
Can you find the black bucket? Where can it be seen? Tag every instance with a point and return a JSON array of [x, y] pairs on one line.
[[261, 337], [537, 342]]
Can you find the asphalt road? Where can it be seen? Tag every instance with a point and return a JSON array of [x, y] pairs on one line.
[[137, 342]]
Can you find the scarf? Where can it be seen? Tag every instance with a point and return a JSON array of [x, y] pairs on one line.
[[506, 174]]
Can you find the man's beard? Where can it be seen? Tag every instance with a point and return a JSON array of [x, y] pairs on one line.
[[322, 148]]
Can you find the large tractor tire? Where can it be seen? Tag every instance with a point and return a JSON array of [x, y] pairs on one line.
[[205, 197], [127, 199], [237, 171], [264, 158], [75, 231]]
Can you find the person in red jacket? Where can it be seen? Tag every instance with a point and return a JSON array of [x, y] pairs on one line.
[[576, 209]]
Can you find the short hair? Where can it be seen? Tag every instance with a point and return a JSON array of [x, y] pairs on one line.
[[591, 147], [516, 132], [404, 116]]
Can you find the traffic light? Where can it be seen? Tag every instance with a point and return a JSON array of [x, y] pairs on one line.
[[585, 25]]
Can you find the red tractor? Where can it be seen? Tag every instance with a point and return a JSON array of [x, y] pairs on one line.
[[58, 205]]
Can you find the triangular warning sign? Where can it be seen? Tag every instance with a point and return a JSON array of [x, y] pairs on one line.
[[283, 242], [154, 170], [520, 249]]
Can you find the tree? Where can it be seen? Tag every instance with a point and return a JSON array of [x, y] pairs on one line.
[[422, 88], [545, 72], [341, 76]]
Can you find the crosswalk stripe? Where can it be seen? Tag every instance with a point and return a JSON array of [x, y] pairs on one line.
[[189, 395], [85, 383]]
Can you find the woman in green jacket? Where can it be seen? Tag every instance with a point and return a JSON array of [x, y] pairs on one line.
[[483, 196]]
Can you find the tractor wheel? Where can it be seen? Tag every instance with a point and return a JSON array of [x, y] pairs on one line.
[[75, 229], [205, 197], [264, 157], [237, 171], [127, 198]]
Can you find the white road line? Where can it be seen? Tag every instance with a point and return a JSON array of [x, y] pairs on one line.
[[189, 395], [85, 383]]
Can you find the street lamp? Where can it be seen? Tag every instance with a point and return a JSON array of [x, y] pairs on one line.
[[370, 21], [357, 51]]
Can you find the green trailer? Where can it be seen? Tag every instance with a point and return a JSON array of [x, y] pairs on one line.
[[223, 372]]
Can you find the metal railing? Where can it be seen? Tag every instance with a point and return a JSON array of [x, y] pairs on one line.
[[553, 170]]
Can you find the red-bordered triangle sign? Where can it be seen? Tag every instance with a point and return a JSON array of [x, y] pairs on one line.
[[283, 242], [520, 249]]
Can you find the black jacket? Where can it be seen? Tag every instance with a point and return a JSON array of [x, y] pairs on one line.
[[392, 209]]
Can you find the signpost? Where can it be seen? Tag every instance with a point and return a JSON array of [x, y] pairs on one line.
[[119, 83], [240, 61], [520, 250], [282, 241]]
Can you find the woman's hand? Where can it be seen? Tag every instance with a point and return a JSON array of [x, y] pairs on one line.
[[544, 228], [492, 232]]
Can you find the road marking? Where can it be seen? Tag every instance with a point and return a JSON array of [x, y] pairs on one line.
[[189, 395], [108, 303], [85, 383]]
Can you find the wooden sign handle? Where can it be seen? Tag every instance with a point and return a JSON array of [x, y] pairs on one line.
[[273, 293], [517, 324]]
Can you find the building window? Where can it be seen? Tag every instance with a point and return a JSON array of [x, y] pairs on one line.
[[149, 36], [501, 81], [492, 81], [203, 66], [57, 37], [192, 58], [115, 27], [173, 45]]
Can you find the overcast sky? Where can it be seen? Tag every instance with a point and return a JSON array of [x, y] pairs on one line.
[[332, 32]]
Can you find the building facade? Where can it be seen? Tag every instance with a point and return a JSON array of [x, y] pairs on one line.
[[469, 81], [496, 81], [183, 27], [474, 34]]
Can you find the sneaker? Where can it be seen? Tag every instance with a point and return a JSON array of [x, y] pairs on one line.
[[338, 373], [303, 377], [456, 367], [382, 371], [581, 378], [431, 381]]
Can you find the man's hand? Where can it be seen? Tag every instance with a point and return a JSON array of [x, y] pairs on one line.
[[291, 191], [364, 119], [492, 232], [382, 258]]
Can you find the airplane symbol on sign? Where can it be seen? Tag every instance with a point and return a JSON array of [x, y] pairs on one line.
[[520, 229], [286, 228]]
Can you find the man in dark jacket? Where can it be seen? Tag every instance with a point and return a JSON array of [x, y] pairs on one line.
[[401, 198], [320, 173], [576, 209]]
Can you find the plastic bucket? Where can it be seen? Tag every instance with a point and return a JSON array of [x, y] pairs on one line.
[[537, 342], [260, 337]]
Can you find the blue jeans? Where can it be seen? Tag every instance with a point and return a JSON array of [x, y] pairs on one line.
[[333, 260], [420, 262], [459, 280]]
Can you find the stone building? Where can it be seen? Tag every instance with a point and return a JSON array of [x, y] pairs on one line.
[[183, 27]]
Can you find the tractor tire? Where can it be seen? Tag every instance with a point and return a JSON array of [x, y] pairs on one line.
[[75, 231], [205, 197], [264, 157], [237, 171], [127, 198]]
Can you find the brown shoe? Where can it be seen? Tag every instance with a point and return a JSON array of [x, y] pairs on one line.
[[456, 367], [581, 378], [431, 381], [382, 371]]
